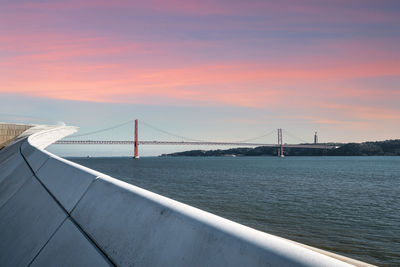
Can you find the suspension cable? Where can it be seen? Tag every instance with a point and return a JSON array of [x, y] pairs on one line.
[[173, 134], [255, 138], [295, 137], [169, 133], [102, 130]]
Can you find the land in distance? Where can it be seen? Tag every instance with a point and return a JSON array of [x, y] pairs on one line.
[[377, 148]]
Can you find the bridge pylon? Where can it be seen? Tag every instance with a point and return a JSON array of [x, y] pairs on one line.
[[136, 143], [280, 143]]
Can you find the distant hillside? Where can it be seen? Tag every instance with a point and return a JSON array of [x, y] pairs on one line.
[[379, 148]]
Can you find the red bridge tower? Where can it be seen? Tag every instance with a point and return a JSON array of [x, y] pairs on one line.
[[136, 145], [280, 143]]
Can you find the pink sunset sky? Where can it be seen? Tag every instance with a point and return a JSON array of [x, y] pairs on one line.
[[330, 66]]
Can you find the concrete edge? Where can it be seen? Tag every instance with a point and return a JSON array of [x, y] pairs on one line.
[[42, 136]]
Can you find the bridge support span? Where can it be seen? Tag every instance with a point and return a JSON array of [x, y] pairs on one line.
[[123, 142], [280, 143], [136, 144]]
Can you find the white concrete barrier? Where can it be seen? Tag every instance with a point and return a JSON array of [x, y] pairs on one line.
[[71, 182], [57, 213]]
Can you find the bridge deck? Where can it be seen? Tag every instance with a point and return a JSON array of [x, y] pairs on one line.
[[116, 142]]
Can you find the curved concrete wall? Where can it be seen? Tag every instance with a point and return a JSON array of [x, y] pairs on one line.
[[57, 213]]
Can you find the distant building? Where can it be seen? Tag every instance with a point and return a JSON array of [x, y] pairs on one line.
[[315, 138]]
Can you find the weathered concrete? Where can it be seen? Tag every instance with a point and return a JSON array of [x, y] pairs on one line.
[[70, 183], [35, 157], [27, 221], [57, 213], [10, 150], [14, 174], [70, 247]]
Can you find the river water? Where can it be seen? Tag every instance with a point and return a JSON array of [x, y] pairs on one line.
[[347, 205]]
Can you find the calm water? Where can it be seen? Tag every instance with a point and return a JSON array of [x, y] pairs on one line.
[[348, 205]]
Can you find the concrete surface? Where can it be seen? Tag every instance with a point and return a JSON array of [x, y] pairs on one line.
[[57, 213], [27, 221], [72, 248], [67, 182], [14, 174], [10, 150]]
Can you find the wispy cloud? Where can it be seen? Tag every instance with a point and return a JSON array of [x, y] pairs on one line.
[[309, 57]]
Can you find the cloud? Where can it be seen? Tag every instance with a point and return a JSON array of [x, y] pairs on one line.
[[309, 57]]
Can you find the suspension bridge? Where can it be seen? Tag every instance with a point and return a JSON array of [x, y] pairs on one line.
[[188, 141]]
